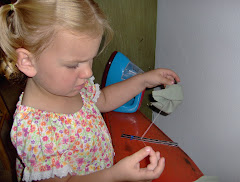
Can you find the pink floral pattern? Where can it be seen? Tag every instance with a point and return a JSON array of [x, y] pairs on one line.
[[51, 143]]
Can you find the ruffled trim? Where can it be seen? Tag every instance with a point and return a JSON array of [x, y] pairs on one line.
[[92, 78], [98, 91], [28, 177]]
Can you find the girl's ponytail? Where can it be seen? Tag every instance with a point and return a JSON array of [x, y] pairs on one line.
[[8, 42]]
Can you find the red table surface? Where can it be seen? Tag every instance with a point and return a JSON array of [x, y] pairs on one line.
[[179, 167]]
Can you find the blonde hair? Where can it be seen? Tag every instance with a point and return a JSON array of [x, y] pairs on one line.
[[32, 24]]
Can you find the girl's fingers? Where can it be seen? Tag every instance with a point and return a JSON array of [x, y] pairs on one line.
[[141, 154], [159, 169], [158, 155], [153, 158], [154, 174]]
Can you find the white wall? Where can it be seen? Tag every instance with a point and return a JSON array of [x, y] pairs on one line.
[[200, 40]]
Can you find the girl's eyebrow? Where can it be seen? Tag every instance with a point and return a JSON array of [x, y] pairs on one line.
[[74, 60], [78, 60]]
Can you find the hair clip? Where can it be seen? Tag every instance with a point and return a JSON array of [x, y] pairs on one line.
[[12, 7]]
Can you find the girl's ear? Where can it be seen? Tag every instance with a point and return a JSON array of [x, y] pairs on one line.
[[25, 62]]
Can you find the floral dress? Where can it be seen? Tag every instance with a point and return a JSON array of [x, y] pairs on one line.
[[52, 144]]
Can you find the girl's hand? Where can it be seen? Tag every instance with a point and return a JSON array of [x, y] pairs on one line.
[[159, 76], [128, 169]]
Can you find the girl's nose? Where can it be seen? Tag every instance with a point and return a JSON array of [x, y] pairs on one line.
[[86, 71]]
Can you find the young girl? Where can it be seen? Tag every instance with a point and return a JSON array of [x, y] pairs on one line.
[[58, 129]]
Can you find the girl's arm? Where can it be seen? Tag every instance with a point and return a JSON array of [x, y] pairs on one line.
[[128, 169], [113, 96]]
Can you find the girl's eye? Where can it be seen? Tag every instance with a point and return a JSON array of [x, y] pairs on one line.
[[72, 67]]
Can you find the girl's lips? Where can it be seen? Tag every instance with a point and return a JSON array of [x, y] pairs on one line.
[[79, 87]]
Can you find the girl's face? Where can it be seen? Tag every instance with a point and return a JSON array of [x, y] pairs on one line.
[[63, 68]]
